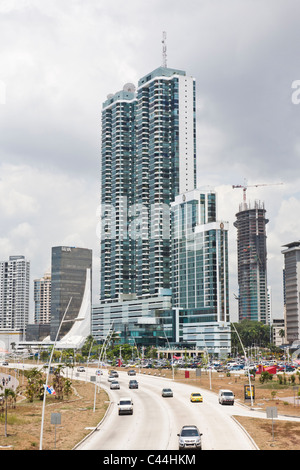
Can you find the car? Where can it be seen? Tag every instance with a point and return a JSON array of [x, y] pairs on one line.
[[189, 438], [196, 397], [166, 392], [226, 397], [111, 378], [114, 385], [113, 373], [131, 372], [125, 406], [80, 369], [133, 384], [5, 363]]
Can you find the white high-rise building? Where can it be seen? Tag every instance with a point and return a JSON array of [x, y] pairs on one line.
[[292, 290], [14, 293], [42, 299]]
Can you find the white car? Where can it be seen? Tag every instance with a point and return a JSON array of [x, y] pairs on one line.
[[115, 385], [226, 397], [125, 406]]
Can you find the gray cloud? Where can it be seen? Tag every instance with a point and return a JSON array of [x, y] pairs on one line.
[[59, 60]]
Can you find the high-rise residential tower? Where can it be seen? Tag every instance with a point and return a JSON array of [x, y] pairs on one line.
[[42, 299], [14, 293], [148, 157], [252, 261], [292, 290]]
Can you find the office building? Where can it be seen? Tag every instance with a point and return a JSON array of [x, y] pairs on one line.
[[14, 293], [252, 262], [292, 290], [71, 272], [200, 272], [42, 299]]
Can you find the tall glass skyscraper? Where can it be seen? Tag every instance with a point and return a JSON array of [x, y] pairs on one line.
[[148, 165], [70, 269], [148, 157], [200, 271]]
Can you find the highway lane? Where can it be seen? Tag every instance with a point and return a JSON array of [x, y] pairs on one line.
[[156, 420]]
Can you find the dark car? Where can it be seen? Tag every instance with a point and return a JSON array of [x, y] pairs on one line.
[[133, 384]]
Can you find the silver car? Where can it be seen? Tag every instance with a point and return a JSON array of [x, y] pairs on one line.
[[190, 438], [166, 392], [114, 385]]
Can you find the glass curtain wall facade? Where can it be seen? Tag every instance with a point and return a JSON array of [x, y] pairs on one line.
[[200, 271], [68, 278], [252, 262]]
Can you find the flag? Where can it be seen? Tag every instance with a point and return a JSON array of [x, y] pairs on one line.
[[50, 390]]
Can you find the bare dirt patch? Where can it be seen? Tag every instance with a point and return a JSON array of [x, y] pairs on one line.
[[77, 414]]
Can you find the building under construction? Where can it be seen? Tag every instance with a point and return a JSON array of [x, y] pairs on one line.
[[252, 261]]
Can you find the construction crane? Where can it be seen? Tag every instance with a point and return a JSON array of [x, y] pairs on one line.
[[246, 186]]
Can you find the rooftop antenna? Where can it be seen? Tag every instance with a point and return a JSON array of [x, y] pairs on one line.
[[164, 51]]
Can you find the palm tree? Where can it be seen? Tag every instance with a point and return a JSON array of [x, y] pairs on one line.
[[281, 334], [8, 392]]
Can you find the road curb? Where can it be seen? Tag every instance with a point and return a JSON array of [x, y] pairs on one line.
[[246, 432], [95, 429]]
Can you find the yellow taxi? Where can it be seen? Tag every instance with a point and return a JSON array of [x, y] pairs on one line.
[[196, 397]]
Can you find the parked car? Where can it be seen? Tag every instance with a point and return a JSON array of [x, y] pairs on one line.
[[80, 369], [133, 384], [166, 392], [189, 438]]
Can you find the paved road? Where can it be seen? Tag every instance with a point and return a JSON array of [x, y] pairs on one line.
[[156, 420]]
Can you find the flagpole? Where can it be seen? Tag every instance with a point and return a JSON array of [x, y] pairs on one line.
[[47, 376]]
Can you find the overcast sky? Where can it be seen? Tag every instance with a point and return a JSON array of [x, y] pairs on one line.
[[59, 59]]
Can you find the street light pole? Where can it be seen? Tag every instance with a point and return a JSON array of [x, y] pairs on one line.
[[47, 377], [172, 355], [103, 349], [246, 362]]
